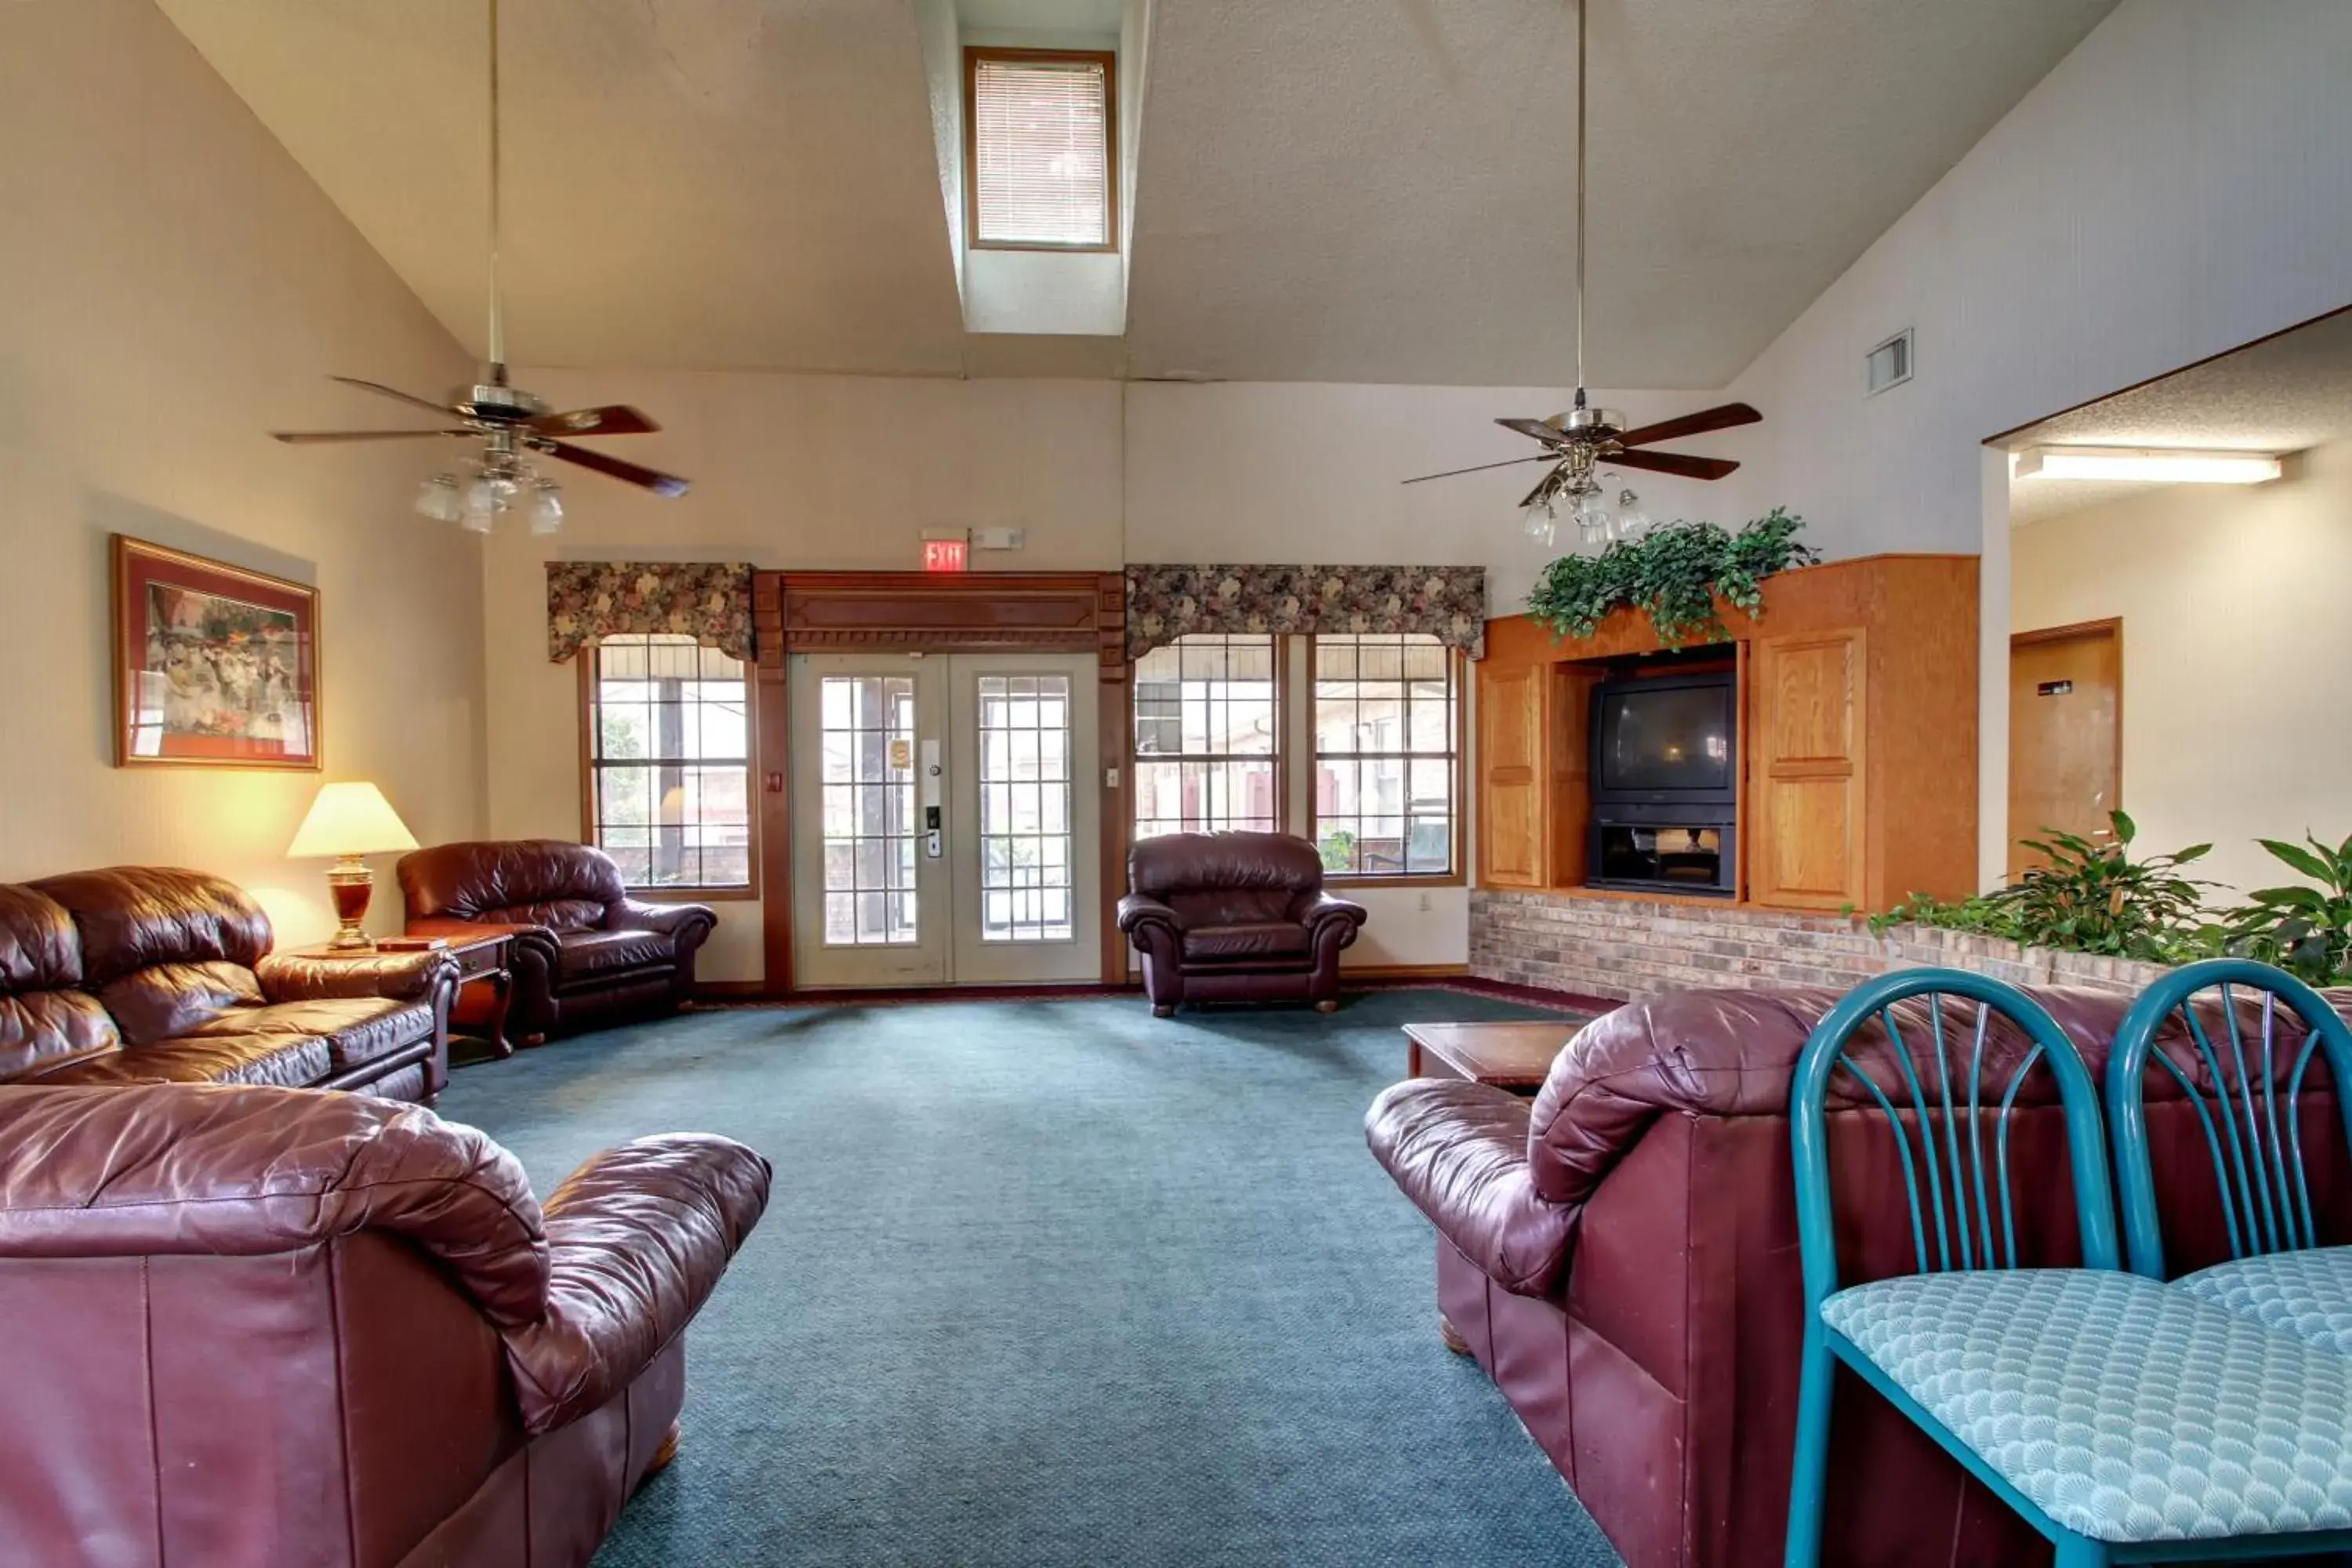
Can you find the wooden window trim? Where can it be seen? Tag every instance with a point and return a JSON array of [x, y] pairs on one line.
[[972, 56], [1456, 874], [674, 893]]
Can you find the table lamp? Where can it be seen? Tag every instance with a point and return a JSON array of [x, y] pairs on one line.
[[347, 821]]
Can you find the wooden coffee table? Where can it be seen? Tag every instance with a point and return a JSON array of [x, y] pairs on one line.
[[1515, 1056]]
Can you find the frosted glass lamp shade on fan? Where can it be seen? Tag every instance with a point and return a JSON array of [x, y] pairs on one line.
[[345, 822]]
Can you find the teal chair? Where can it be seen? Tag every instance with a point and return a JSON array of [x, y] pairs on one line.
[[2126, 1421], [2245, 1080]]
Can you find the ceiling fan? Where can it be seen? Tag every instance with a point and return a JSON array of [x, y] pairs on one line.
[[509, 423], [1583, 437]]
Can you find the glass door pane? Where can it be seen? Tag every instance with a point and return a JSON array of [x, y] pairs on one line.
[[867, 737], [1025, 809]]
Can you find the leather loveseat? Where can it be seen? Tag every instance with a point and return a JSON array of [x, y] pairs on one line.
[[1621, 1254], [144, 974], [259, 1326], [1234, 917], [583, 951]]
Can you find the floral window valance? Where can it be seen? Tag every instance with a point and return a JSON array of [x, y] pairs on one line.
[[1164, 603], [708, 601]]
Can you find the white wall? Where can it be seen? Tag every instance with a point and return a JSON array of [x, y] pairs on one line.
[[2234, 639], [172, 286]]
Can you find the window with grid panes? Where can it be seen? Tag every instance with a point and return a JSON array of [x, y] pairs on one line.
[[669, 752], [1386, 760], [1207, 736]]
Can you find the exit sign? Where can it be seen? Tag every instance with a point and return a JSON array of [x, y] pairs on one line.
[[946, 555]]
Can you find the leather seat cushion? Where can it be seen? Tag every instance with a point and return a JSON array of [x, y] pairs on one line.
[[283, 1061], [356, 1029], [601, 956], [1253, 940]]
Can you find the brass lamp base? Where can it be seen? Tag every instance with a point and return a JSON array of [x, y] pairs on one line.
[[350, 884]]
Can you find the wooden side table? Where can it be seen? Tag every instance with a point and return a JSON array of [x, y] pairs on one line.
[[482, 960]]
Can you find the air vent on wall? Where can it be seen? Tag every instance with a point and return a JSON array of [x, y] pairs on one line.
[[1889, 364]]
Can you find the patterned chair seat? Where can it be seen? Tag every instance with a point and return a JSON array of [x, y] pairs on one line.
[[2306, 1294], [2127, 1410]]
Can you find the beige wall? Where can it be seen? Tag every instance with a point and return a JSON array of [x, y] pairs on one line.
[[818, 472], [2235, 642], [173, 285]]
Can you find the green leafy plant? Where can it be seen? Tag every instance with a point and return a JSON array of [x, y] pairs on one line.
[[2092, 897], [1338, 848], [2302, 928], [1675, 574]]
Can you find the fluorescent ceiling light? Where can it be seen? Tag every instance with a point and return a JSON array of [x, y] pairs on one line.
[[2157, 464]]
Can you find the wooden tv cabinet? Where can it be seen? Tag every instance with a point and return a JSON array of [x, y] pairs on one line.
[[1857, 743]]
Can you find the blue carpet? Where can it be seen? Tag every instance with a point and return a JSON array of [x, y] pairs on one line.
[[1054, 1283]]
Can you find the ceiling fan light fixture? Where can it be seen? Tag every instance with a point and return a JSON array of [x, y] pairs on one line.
[[546, 507], [436, 498]]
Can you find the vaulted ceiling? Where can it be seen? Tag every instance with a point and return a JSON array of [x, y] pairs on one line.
[[1338, 190]]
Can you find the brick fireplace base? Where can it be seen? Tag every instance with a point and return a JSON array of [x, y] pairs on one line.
[[1623, 947]]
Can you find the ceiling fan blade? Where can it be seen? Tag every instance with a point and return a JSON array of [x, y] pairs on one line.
[[392, 392], [1482, 468], [653, 479], [1672, 463], [614, 419], [1699, 424], [304, 438], [1534, 428]]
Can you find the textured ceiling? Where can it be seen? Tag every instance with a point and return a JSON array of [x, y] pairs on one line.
[[1348, 190], [2282, 395]]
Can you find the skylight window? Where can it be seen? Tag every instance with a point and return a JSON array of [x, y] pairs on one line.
[[1041, 163]]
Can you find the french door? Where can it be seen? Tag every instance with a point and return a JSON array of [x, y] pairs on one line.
[[945, 819]]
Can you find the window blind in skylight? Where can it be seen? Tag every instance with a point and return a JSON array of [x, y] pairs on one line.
[[1041, 151]]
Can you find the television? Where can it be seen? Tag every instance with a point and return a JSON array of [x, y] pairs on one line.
[[1665, 742]]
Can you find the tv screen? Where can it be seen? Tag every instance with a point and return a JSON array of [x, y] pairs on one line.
[[1676, 737]]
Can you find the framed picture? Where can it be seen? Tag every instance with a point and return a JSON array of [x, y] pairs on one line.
[[214, 665]]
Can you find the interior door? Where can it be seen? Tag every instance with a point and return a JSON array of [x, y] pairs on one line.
[[2066, 733], [946, 816]]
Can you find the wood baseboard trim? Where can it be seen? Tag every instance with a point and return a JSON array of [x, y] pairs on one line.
[[730, 990], [1349, 972]]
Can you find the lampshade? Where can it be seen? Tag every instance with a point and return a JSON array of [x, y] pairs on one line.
[[350, 819]]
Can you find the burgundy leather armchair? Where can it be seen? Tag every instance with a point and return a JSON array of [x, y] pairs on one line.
[[1234, 917], [583, 951], [1621, 1254], [255, 1326], [145, 974]]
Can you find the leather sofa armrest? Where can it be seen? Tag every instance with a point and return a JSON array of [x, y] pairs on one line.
[[638, 1237], [397, 976], [1139, 909], [686, 924], [1459, 1151], [1318, 909]]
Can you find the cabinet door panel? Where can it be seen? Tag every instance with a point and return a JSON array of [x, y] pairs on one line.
[[1510, 777], [1805, 821]]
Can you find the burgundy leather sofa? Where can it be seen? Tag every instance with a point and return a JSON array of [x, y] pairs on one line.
[[144, 974], [1234, 917], [252, 1326], [1621, 1254], [583, 952]]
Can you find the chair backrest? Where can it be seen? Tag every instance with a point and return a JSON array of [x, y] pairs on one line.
[[1225, 879], [1901, 1040], [553, 882], [2213, 1029], [161, 948]]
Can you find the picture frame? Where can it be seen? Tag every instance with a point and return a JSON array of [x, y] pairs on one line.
[[215, 666]]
